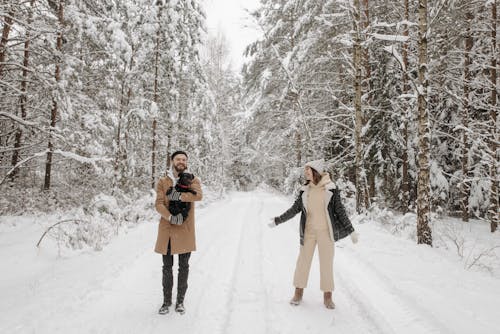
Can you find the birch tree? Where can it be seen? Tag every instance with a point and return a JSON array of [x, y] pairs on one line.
[[405, 198], [424, 233]]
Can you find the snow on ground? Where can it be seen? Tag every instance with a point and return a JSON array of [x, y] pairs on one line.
[[240, 281]]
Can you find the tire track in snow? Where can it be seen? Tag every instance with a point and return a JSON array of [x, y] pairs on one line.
[[206, 279], [246, 298], [120, 292], [400, 311], [213, 273], [364, 310], [262, 218]]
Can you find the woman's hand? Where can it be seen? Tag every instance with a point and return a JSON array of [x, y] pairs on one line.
[[354, 237], [272, 223]]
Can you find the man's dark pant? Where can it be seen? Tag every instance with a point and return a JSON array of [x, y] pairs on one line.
[[182, 276]]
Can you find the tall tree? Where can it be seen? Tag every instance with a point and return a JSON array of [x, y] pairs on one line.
[[155, 96], [55, 97], [469, 42], [494, 211], [7, 27], [358, 64], [23, 103], [424, 233], [405, 187]]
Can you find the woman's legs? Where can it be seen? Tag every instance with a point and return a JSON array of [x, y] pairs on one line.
[[326, 249], [304, 261]]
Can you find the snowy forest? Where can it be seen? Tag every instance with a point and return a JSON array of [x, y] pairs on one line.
[[400, 97]]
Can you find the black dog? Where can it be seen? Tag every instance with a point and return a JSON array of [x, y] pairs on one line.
[[182, 186]]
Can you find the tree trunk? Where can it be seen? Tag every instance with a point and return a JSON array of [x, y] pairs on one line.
[[494, 211], [368, 88], [406, 181], [298, 148], [5, 38], [155, 100], [357, 61], [53, 114], [169, 140], [23, 99], [424, 233], [465, 186], [153, 155], [120, 153]]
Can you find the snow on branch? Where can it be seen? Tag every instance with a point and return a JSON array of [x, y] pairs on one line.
[[392, 50], [19, 120], [396, 24], [76, 221], [71, 155], [28, 124], [391, 38], [39, 154], [82, 159]]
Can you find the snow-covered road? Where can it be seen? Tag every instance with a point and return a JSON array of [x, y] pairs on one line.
[[240, 282]]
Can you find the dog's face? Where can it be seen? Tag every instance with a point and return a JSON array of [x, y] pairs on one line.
[[185, 179]]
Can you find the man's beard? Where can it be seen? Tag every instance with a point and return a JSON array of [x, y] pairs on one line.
[[180, 168]]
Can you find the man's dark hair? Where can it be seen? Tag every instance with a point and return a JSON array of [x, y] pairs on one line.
[[177, 153]]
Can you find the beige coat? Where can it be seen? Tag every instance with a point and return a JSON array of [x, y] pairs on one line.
[[182, 237]]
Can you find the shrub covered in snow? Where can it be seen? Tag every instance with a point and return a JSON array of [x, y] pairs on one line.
[[95, 224]]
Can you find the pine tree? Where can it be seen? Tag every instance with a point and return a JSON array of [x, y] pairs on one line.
[[469, 41], [23, 95], [494, 211], [55, 102], [357, 62], [7, 27]]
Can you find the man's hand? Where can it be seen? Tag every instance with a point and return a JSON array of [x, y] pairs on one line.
[[173, 195], [177, 219], [272, 223]]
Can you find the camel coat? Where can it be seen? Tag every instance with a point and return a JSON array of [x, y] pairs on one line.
[[182, 237]]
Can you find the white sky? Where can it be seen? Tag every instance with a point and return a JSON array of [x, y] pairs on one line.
[[230, 18]]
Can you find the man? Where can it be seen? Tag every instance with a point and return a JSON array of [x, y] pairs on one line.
[[176, 235]]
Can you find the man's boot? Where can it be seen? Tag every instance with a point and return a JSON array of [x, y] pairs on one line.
[[167, 282], [297, 297], [327, 300], [182, 282], [164, 308]]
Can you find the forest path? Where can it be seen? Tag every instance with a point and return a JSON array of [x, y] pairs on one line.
[[240, 282]]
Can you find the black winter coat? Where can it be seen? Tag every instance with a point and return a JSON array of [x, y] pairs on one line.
[[341, 225]]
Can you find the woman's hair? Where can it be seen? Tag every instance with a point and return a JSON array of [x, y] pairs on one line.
[[316, 177]]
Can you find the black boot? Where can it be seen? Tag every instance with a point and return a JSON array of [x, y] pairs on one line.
[[182, 281], [179, 308], [164, 308], [167, 282]]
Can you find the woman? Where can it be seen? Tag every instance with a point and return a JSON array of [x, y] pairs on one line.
[[323, 221]]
